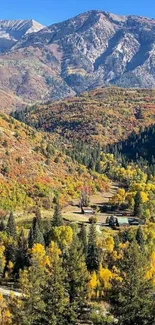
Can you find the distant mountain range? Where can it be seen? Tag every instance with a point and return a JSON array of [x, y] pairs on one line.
[[93, 49]]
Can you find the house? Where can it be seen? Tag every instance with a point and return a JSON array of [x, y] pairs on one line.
[[87, 210], [115, 221], [122, 222]]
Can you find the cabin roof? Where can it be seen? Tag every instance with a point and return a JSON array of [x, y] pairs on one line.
[[122, 221]]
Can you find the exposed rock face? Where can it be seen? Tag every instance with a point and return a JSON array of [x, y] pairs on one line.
[[93, 49], [12, 31]]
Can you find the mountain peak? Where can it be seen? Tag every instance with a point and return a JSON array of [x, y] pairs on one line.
[[95, 48], [12, 31]]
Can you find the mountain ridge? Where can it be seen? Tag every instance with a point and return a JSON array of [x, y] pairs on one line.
[[13, 30], [93, 49]]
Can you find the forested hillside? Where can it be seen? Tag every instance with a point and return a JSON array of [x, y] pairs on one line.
[[84, 271], [103, 115], [138, 147], [33, 168]]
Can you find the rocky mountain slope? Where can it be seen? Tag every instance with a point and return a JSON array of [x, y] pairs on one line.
[[92, 49], [12, 31], [104, 115]]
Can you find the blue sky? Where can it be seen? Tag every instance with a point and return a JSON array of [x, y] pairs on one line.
[[50, 11]]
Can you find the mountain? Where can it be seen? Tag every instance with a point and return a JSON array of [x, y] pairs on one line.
[[104, 115], [12, 31], [93, 49]]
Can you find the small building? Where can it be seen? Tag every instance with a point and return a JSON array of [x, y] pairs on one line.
[[115, 221], [122, 222], [87, 210]]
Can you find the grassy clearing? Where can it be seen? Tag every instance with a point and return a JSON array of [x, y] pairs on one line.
[[71, 213]]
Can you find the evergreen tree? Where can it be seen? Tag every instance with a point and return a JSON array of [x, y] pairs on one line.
[[77, 279], [47, 233], [35, 234], [54, 293], [38, 237], [140, 236], [126, 236], [116, 242], [138, 208], [21, 254], [132, 297], [11, 226], [2, 226], [10, 253], [92, 259], [57, 219], [32, 282], [30, 238], [83, 238]]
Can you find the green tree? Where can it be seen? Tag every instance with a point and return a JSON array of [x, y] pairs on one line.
[[126, 236], [83, 238], [132, 297], [32, 282], [140, 236], [21, 259], [35, 234], [54, 291], [77, 280], [2, 226], [38, 235], [30, 238], [92, 259], [138, 207], [57, 219], [11, 226]]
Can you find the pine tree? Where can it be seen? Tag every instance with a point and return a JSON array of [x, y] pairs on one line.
[[92, 259], [30, 238], [138, 208], [54, 292], [116, 242], [10, 252], [38, 237], [57, 220], [2, 225], [21, 259], [11, 226], [32, 282], [132, 297], [140, 236], [35, 234], [83, 238], [126, 236], [77, 280]]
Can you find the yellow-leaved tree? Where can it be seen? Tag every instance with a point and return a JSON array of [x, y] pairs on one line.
[[5, 315]]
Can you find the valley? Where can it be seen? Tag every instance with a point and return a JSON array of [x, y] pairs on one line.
[[77, 171]]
